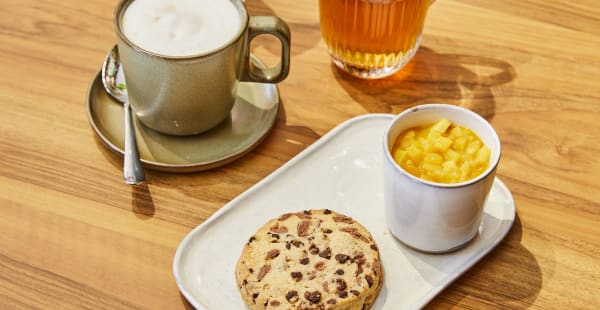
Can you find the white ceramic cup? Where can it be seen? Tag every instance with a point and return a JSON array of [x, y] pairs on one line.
[[428, 216]]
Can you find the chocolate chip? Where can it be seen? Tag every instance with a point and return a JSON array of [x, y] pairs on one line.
[[320, 266], [303, 228], [304, 261], [251, 270], [355, 292], [376, 267], [326, 286], [254, 296], [287, 245], [274, 303], [354, 233], [313, 249], [326, 230], [313, 297], [297, 276], [332, 301], [369, 280], [276, 236], [342, 258], [326, 253], [359, 270], [272, 254], [285, 216], [292, 296], [343, 294], [251, 239], [307, 212], [339, 272], [343, 219], [263, 271], [297, 243], [341, 284], [359, 259], [244, 282], [374, 247], [304, 216], [279, 229], [327, 211]]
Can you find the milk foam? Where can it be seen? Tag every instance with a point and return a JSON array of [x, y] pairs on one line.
[[180, 27]]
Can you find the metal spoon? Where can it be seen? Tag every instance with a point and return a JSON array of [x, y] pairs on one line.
[[115, 87]]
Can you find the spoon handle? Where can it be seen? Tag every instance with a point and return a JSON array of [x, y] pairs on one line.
[[132, 167]]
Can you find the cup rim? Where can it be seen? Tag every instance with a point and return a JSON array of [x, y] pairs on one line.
[[118, 21], [388, 154]]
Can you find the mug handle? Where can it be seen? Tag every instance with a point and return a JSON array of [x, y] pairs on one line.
[[274, 26]]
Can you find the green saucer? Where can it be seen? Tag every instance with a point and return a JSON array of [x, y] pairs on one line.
[[252, 117]]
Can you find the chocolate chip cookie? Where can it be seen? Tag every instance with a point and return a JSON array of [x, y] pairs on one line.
[[314, 259]]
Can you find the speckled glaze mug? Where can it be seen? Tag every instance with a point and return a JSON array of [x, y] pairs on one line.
[[428, 216], [186, 95]]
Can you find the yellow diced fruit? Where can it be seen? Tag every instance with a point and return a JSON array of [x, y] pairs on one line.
[[452, 155], [428, 146], [441, 176], [434, 135], [483, 155], [415, 153], [455, 131], [460, 144], [441, 125], [478, 168], [400, 155], [449, 165], [422, 132], [442, 143], [473, 147], [465, 170], [407, 139], [430, 169], [433, 158], [410, 166]]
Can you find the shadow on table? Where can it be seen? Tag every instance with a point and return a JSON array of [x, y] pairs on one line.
[[430, 77], [142, 204], [515, 284], [186, 303]]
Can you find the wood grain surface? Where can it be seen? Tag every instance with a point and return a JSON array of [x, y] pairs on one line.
[[73, 236]]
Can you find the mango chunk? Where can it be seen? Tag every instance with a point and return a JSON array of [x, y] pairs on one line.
[[441, 125]]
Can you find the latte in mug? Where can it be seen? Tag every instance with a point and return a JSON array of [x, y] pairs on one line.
[[183, 59], [181, 27]]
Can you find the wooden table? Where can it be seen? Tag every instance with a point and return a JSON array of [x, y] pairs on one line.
[[72, 235]]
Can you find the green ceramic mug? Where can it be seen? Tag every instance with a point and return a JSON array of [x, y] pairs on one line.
[[192, 93]]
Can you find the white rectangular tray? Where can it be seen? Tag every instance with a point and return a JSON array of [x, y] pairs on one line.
[[342, 172]]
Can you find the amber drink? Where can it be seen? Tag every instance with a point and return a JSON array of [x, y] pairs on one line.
[[372, 38]]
